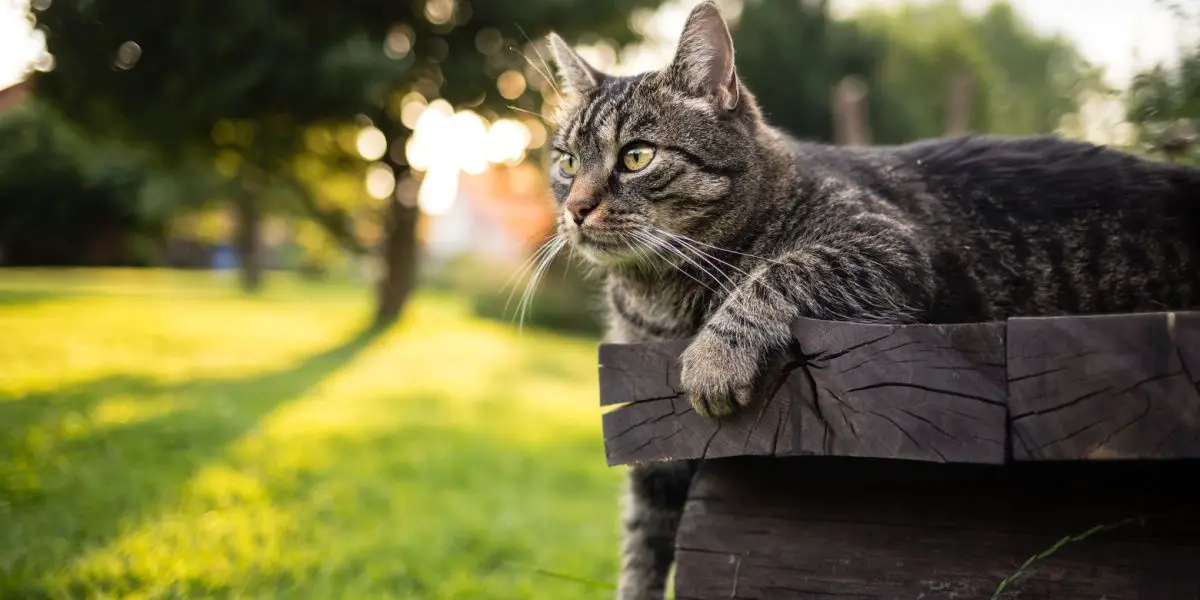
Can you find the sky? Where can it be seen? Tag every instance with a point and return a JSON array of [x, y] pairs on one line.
[[1121, 35]]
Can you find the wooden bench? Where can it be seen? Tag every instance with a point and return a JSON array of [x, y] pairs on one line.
[[936, 461]]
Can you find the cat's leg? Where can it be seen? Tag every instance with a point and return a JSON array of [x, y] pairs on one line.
[[872, 269], [654, 502]]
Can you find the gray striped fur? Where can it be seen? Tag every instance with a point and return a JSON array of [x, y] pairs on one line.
[[735, 229]]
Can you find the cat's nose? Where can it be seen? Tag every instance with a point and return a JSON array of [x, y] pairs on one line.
[[580, 209]]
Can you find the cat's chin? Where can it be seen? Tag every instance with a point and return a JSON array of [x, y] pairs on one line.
[[608, 257]]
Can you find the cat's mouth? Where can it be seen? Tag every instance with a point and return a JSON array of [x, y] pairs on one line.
[[605, 246]]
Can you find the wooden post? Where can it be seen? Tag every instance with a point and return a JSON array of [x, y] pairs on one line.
[[851, 123], [958, 104], [930, 461]]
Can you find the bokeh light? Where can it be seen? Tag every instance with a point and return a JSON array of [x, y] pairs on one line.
[[127, 55], [511, 84], [380, 181], [399, 42], [371, 143], [439, 12]]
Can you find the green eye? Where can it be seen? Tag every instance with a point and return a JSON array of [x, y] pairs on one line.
[[638, 157], [568, 164]]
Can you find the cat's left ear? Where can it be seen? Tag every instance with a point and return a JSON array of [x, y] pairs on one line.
[[703, 63], [576, 75]]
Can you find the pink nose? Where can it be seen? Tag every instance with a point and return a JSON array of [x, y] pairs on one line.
[[580, 209]]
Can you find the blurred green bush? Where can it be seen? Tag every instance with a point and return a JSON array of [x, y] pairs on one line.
[[566, 299], [65, 201]]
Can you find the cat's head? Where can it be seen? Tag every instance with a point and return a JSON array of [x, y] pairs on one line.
[[639, 159]]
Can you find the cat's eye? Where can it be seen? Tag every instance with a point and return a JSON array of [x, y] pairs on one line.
[[568, 164], [637, 157]]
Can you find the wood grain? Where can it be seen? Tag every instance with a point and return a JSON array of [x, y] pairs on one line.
[[885, 530], [933, 393], [1059, 388], [1105, 387]]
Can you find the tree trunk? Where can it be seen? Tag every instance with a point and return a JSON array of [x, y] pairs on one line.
[[851, 124], [958, 105], [399, 253], [249, 239]]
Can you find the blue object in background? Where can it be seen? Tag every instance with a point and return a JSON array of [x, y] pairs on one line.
[[224, 258]]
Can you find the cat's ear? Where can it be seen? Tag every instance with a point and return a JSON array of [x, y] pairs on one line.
[[703, 63], [576, 75]]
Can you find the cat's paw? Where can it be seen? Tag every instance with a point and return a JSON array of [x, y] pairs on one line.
[[719, 380]]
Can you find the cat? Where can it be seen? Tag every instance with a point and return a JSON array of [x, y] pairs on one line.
[[709, 224]]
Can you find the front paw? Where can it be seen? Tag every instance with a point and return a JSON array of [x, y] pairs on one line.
[[718, 378]]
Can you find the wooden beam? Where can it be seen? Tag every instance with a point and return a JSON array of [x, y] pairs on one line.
[[1105, 387], [931, 393], [870, 529], [1059, 388]]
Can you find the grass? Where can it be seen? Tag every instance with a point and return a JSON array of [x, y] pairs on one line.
[[162, 436]]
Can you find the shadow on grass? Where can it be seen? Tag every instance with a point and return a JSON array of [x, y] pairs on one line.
[[13, 298], [67, 485]]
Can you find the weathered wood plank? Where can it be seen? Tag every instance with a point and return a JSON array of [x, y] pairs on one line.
[[1105, 387], [931, 393], [920, 392], [668, 428], [1055, 388], [832, 528], [638, 372]]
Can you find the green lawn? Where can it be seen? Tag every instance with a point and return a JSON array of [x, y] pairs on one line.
[[162, 436]]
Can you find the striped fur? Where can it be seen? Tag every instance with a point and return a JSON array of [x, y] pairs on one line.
[[735, 229]]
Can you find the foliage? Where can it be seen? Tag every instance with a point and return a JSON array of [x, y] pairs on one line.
[[242, 85], [52, 180], [1163, 101], [1024, 82], [205, 444]]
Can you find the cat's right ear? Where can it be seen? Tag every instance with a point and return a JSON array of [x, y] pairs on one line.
[[576, 75], [703, 62]]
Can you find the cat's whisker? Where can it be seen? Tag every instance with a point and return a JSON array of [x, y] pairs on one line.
[[688, 244], [704, 257], [545, 257], [728, 287], [531, 112], [645, 251], [530, 289], [706, 245], [544, 73], [654, 244], [524, 269]]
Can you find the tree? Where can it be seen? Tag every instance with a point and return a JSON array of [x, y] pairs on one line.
[[174, 79], [928, 69], [1163, 102], [241, 84], [474, 54], [63, 200]]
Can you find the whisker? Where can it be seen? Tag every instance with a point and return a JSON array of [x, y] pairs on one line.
[[531, 112], [545, 74], [523, 270], [531, 287], [686, 243], [677, 252], [656, 244], [706, 245]]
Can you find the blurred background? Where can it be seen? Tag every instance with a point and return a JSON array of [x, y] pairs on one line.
[[261, 264]]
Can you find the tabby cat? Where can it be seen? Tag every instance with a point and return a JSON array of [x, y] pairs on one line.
[[709, 224]]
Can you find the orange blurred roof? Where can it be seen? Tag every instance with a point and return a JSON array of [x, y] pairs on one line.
[[15, 94], [516, 198]]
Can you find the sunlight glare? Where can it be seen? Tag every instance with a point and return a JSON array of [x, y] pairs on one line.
[[470, 130], [439, 189], [507, 142]]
